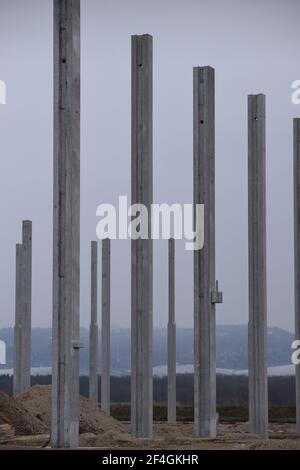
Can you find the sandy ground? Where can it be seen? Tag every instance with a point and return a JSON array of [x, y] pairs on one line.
[[231, 437], [179, 437], [25, 422]]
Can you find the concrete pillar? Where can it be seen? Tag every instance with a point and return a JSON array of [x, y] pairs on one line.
[[171, 337], [142, 251], [206, 293], [18, 356], [22, 330], [258, 378], [94, 331], [66, 231], [27, 293], [105, 330], [297, 254]]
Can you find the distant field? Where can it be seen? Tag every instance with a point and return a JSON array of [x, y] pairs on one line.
[[227, 414]]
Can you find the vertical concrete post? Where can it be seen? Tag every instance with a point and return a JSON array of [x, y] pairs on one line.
[[258, 378], [141, 249], [297, 254], [105, 330], [22, 330], [93, 383], [171, 337], [66, 230], [26, 294], [18, 356], [204, 260]]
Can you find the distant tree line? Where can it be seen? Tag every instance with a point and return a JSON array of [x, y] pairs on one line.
[[231, 390]]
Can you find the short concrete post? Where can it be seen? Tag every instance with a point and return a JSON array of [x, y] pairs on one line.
[[18, 356], [258, 377], [105, 375], [142, 251], [206, 293], [66, 229], [297, 254], [22, 330], [171, 337], [94, 331], [27, 292]]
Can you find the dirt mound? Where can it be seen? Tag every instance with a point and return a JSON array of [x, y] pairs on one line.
[[92, 420], [13, 413], [37, 401]]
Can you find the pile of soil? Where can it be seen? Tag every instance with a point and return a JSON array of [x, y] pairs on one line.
[[21, 420], [37, 401], [7, 432]]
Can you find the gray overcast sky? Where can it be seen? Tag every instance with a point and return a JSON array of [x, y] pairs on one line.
[[253, 45]]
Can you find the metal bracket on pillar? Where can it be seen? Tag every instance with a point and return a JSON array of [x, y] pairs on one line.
[[216, 295]]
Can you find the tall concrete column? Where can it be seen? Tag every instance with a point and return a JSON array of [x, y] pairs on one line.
[[18, 379], [94, 331], [171, 337], [206, 293], [105, 330], [297, 254], [22, 330], [27, 293], [258, 378], [141, 249], [66, 232]]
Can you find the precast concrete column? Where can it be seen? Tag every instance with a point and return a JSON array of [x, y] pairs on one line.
[[206, 293], [141, 250], [94, 330], [297, 254], [257, 343], [105, 330], [66, 230], [171, 337]]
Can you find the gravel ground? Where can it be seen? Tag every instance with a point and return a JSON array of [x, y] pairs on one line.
[[230, 437], [18, 417], [179, 437], [30, 416]]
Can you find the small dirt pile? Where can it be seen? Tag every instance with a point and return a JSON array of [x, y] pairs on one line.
[[14, 414], [92, 420]]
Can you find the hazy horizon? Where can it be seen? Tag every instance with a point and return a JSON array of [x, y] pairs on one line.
[[155, 327]]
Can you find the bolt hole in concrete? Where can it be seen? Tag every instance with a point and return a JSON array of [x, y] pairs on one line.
[[202, 122], [256, 119], [141, 66]]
